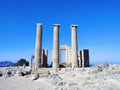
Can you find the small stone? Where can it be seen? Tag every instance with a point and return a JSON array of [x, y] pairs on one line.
[[34, 76], [19, 73], [8, 74]]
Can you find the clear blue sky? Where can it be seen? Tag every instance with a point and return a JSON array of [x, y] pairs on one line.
[[98, 27]]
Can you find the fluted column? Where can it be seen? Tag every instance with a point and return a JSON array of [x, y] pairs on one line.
[[74, 46], [38, 47], [56, 47]]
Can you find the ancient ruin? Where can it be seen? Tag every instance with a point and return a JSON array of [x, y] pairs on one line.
[[73, 57]]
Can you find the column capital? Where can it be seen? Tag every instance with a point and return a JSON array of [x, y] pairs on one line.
[[56, 25], [74, 25], [40, 24]]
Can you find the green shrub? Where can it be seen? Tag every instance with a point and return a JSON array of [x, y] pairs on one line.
[[21, 62]]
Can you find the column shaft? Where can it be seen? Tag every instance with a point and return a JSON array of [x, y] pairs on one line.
[[38, 47], [56, 46], [74, 46]]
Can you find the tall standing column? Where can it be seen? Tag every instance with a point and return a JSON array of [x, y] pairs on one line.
[[38, 47], [74, 46], [56, 47]]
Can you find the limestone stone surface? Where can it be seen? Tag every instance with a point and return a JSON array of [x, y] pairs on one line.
[[74, 46], [56, 46], [38, 47]]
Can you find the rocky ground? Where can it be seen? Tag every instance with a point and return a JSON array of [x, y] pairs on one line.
[[98, 77]]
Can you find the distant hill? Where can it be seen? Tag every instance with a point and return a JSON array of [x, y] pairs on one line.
[[6, 63]]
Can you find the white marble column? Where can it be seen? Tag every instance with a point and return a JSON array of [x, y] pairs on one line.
[[38, 47], [74, 46], [56, 47]]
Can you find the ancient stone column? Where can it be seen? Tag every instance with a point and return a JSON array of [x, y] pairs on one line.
[[42, 57], [38, 47], [56, 47], [74, 46], [31, 58]]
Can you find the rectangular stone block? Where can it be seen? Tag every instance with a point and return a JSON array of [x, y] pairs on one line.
[[84, 55]]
